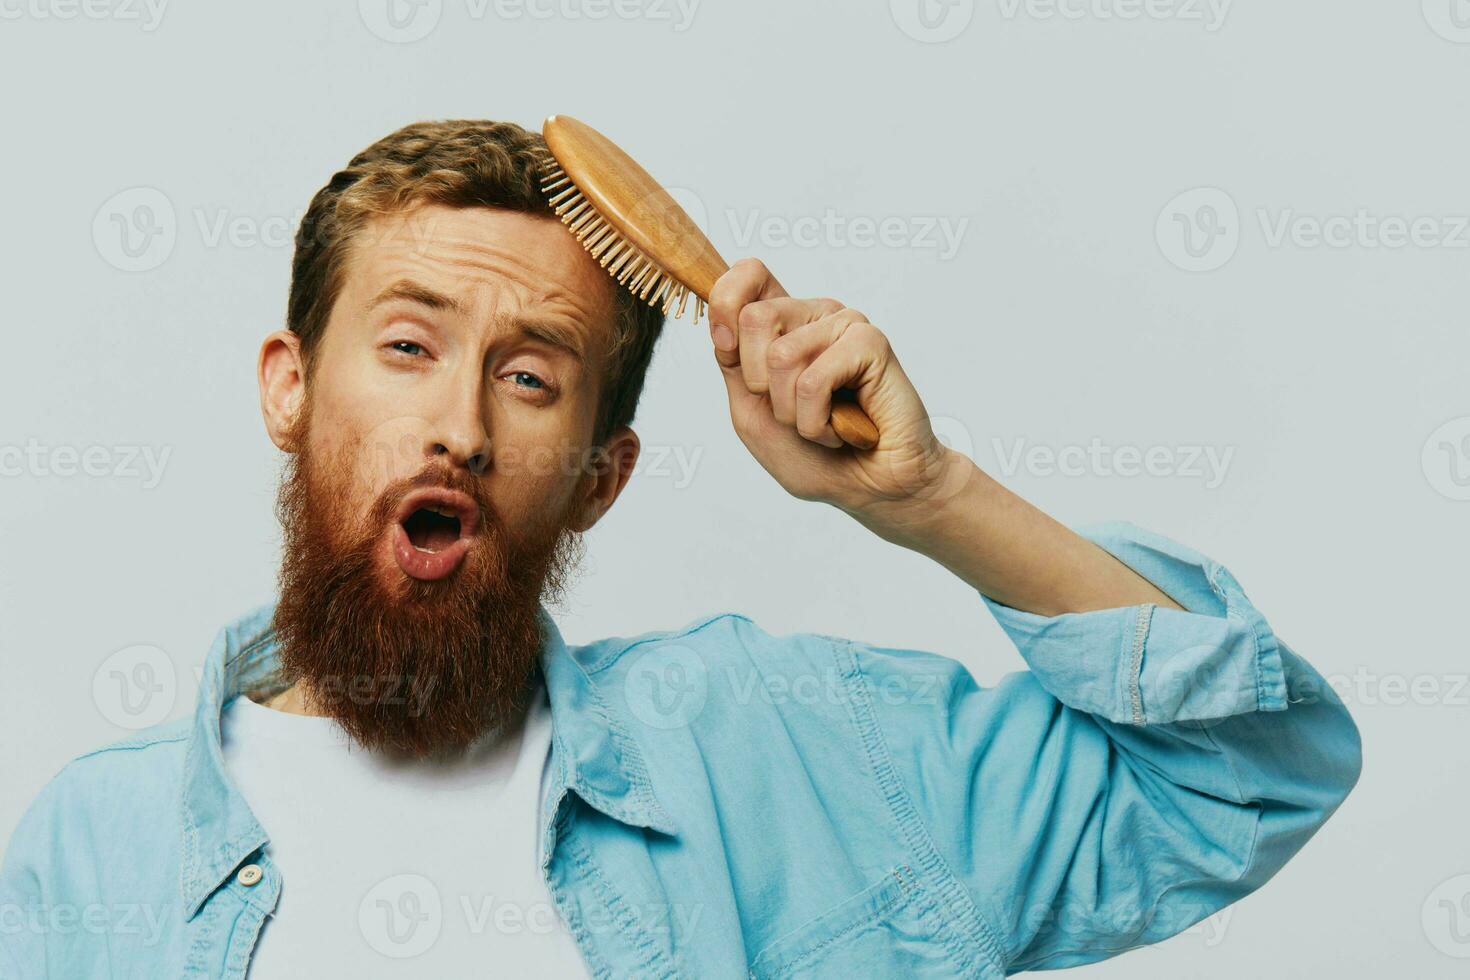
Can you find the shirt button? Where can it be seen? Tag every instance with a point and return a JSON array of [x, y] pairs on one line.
[[249, 875]]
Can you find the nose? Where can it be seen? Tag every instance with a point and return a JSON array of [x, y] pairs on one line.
[[459, 434]]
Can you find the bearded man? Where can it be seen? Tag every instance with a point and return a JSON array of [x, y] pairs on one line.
[[400, 769]]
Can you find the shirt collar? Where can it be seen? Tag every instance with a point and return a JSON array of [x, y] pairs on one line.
[[593, 753]]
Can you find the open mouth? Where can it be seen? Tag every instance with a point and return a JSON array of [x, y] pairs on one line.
[[433, 531]]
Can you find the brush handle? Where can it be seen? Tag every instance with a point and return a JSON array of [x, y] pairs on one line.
[[849, 421]]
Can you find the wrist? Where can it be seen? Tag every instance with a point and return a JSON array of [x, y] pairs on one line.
[[948, 480]]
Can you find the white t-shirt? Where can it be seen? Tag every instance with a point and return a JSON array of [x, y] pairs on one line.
[[399, 869]]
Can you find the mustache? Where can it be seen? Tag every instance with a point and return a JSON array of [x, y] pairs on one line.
[[438, 478]]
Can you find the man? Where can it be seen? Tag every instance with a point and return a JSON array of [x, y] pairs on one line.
[[400, 769]]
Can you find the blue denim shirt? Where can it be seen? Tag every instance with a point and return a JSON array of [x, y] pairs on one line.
[[724, 802]]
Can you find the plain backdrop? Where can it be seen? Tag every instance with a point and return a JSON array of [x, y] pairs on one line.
[[1111, 241]]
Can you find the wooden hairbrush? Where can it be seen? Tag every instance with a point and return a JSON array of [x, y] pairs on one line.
[[644, 240]]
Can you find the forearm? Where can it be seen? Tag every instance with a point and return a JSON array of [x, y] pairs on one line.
[[1006, 548]]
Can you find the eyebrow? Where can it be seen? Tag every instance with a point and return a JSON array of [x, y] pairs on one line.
[[550, 332], [413, 292]]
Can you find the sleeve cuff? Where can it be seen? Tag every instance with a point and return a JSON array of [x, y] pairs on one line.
[[1142, 665]]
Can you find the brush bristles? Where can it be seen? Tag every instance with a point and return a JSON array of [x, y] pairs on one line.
[[623, 260]]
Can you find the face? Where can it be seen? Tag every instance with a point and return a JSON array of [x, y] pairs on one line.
[[442, 460]]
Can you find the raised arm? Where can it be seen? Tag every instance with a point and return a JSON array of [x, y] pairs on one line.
[[1152, 766]]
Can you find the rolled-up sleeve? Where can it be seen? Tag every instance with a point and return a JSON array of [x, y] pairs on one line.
[[1151, 767]]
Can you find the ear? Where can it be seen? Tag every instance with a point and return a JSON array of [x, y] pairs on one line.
[[609, 469], [281, 375]]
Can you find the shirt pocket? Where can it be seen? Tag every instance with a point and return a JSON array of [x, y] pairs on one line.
[[888, 929]]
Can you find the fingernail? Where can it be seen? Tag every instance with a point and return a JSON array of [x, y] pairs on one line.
[[723, 338]]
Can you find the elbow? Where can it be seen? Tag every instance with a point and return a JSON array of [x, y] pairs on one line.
[[1323, 749], [1333, 749], [1313, 768], [1347, 755], [1326, 761]]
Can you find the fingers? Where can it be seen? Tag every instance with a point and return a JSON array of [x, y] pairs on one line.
[[761, 323], [788, 360], [748, 281], [856, 356], [795, 351]]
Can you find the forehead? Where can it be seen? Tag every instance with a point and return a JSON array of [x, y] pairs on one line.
[[490, 261]]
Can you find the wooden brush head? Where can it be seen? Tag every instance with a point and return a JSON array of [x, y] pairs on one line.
[[624, 218], [641, 236]]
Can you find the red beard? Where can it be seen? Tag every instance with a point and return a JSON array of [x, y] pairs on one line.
[[421, 668]]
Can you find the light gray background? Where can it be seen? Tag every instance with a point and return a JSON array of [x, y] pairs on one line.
[[1062, 139]]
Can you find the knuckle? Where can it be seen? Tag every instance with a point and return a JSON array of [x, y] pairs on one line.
[[782, 355], [723, 289], [809, 385], [758, 317], [828, 305], [871, 335]]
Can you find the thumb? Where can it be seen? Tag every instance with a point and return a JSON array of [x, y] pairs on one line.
[[747, 281], [727, 355]]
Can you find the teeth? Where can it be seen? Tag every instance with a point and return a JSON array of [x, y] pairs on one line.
[[442, 511]]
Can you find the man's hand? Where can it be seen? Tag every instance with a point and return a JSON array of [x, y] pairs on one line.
[[783, 358]]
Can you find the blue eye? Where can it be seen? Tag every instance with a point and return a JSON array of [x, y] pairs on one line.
[[536, 382], [408, 347]]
